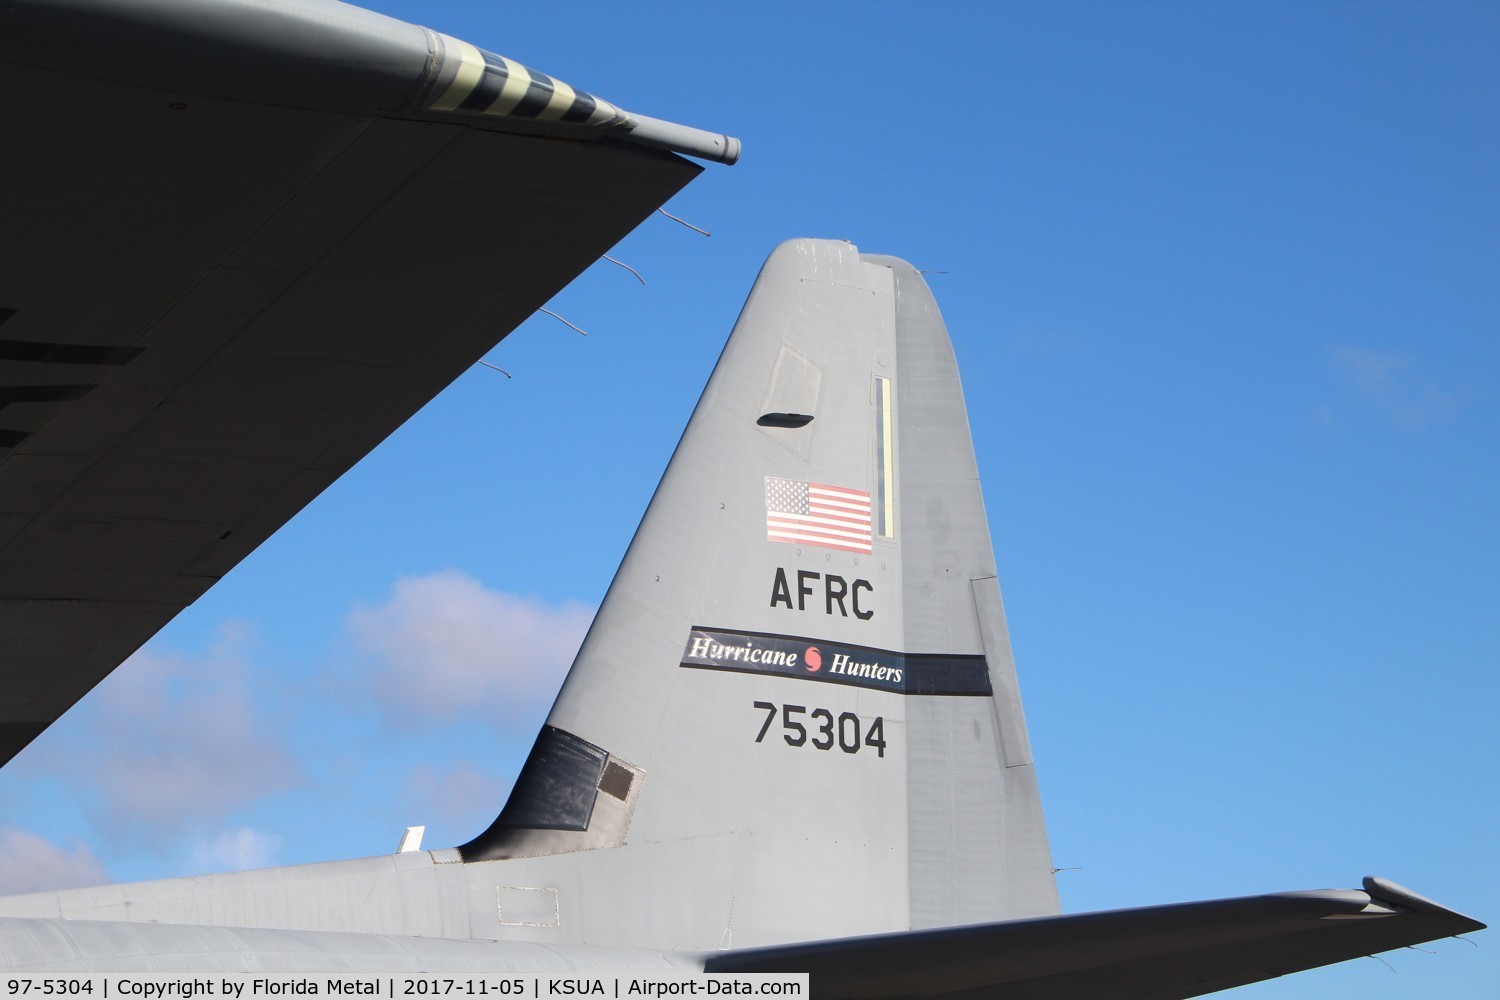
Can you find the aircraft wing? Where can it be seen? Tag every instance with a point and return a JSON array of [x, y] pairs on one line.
[[1150, 953], [241, 244]]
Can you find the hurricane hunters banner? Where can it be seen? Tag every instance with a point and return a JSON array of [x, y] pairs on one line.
[[836, 663]]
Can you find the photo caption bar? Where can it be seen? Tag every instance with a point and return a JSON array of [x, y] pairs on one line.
[[526, 986]]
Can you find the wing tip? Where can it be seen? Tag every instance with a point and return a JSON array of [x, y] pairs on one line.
[[1385, 891]]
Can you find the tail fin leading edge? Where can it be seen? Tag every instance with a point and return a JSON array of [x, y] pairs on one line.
[[797, 702]]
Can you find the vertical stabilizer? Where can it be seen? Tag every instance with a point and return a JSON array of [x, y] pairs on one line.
[[796, 715]]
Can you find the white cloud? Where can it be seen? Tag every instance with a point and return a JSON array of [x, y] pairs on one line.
[[444, 646], [1394, 384], [235, 850], [29, 863], [170, 752], [171, 742]]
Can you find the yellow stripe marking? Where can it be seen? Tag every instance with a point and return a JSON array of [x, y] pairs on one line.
[[470, 72], [517, 82], [887, 459]]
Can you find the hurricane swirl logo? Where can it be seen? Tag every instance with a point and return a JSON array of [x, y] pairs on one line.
[[813, 659]]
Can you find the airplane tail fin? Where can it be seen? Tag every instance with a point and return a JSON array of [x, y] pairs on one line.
[[796, 713]]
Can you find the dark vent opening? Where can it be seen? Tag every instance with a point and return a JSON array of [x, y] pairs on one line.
[[785, 419], [616, 781]]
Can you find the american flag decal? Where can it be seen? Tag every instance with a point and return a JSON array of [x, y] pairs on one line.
[[833, 517]]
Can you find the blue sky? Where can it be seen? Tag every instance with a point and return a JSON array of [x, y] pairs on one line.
[[1222, 280]]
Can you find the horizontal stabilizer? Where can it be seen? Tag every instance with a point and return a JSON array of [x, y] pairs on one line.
[[1149, 953]]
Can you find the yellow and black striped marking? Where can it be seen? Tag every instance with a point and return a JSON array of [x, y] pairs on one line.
[[492, 85]]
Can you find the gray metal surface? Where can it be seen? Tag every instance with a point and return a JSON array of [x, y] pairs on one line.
[[929, 831], [979, 847], [210, 308], [43, 946]]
